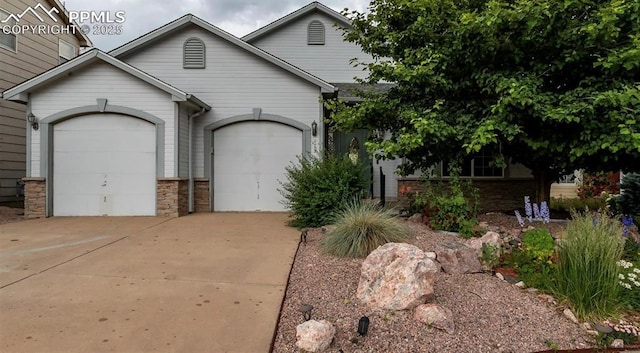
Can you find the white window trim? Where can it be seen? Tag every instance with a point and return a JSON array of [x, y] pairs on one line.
[[14, 50], [472, 176]]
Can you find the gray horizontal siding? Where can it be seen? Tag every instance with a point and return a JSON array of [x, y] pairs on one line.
[[102, 80], [233, 82], [330, 61]]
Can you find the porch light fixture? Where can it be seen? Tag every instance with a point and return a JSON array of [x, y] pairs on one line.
[[363, 326], [314, 129], [306, 311], [33, 121]]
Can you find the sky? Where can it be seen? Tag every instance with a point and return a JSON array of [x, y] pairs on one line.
[[238, 17]]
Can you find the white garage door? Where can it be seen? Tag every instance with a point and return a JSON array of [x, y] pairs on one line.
[[104, 164], [249, 160]]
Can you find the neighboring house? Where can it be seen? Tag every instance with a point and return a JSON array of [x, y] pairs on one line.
[[189, 118], [23, 56]]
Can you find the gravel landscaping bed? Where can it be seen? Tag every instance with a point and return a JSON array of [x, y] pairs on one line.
[[10, 214], [490, 315]]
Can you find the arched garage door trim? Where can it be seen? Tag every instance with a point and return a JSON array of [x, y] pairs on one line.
[[256, 116], [46, 138]]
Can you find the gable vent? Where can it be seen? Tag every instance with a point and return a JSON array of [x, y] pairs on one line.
[[315, 33], [194, 54]]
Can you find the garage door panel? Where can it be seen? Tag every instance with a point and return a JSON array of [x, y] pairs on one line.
[[249, 161], [104, 165]]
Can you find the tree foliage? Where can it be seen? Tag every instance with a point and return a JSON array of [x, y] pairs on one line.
[[554, 84]]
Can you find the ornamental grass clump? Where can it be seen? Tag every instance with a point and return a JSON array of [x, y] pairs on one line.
[[361, 227], [587, 272]]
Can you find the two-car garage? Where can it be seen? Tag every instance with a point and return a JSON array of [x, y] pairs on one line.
[[105, 164]]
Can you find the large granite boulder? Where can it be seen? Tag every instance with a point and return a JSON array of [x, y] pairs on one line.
[[396, 276]]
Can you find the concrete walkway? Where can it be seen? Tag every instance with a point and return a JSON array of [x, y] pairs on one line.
[[202, 283]]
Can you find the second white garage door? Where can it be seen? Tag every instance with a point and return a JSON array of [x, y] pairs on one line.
[[248, 163], [104, 164]]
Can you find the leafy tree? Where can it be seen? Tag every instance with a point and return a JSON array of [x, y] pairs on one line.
[[554, 85]]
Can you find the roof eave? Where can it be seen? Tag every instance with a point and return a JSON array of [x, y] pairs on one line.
[[19, 93], [314, 6], [185, 20], [151, 36], [196, 101]]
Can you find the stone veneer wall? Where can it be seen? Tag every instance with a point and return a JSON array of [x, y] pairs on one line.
[[495, 194], [201, 195], [35, 198], [172, 197]]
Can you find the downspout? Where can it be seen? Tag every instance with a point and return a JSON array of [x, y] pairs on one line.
[[190, 127]]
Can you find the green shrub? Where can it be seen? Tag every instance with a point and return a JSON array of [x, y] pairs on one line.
[[452, 207], [539, 244], [490, 256], [361, 227], [594, 184], [533, 260], [631, 250], [568, 204], [587, 274], [317, 187], [628, 201]]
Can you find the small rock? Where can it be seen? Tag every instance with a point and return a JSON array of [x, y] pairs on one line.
[[520, 284], [500, 276], [314, 336], [593, 332], [532, 290], [483, 225], [514, 242], [435, 315], [416, 218], [587, 326], [604, 328], [569, 315], [511, 279], [328, 228], [492, 238], [457, 258], [431, 255], [547, 298], [617, 343]]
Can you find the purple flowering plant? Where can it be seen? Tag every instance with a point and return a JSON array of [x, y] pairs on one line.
[[533, 212], [519, 218], [527, 209], [627, 222]]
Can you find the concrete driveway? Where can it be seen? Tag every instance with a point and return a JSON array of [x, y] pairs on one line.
[[203, 283]]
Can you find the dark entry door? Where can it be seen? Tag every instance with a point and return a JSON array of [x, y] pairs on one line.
[[351, 142]]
